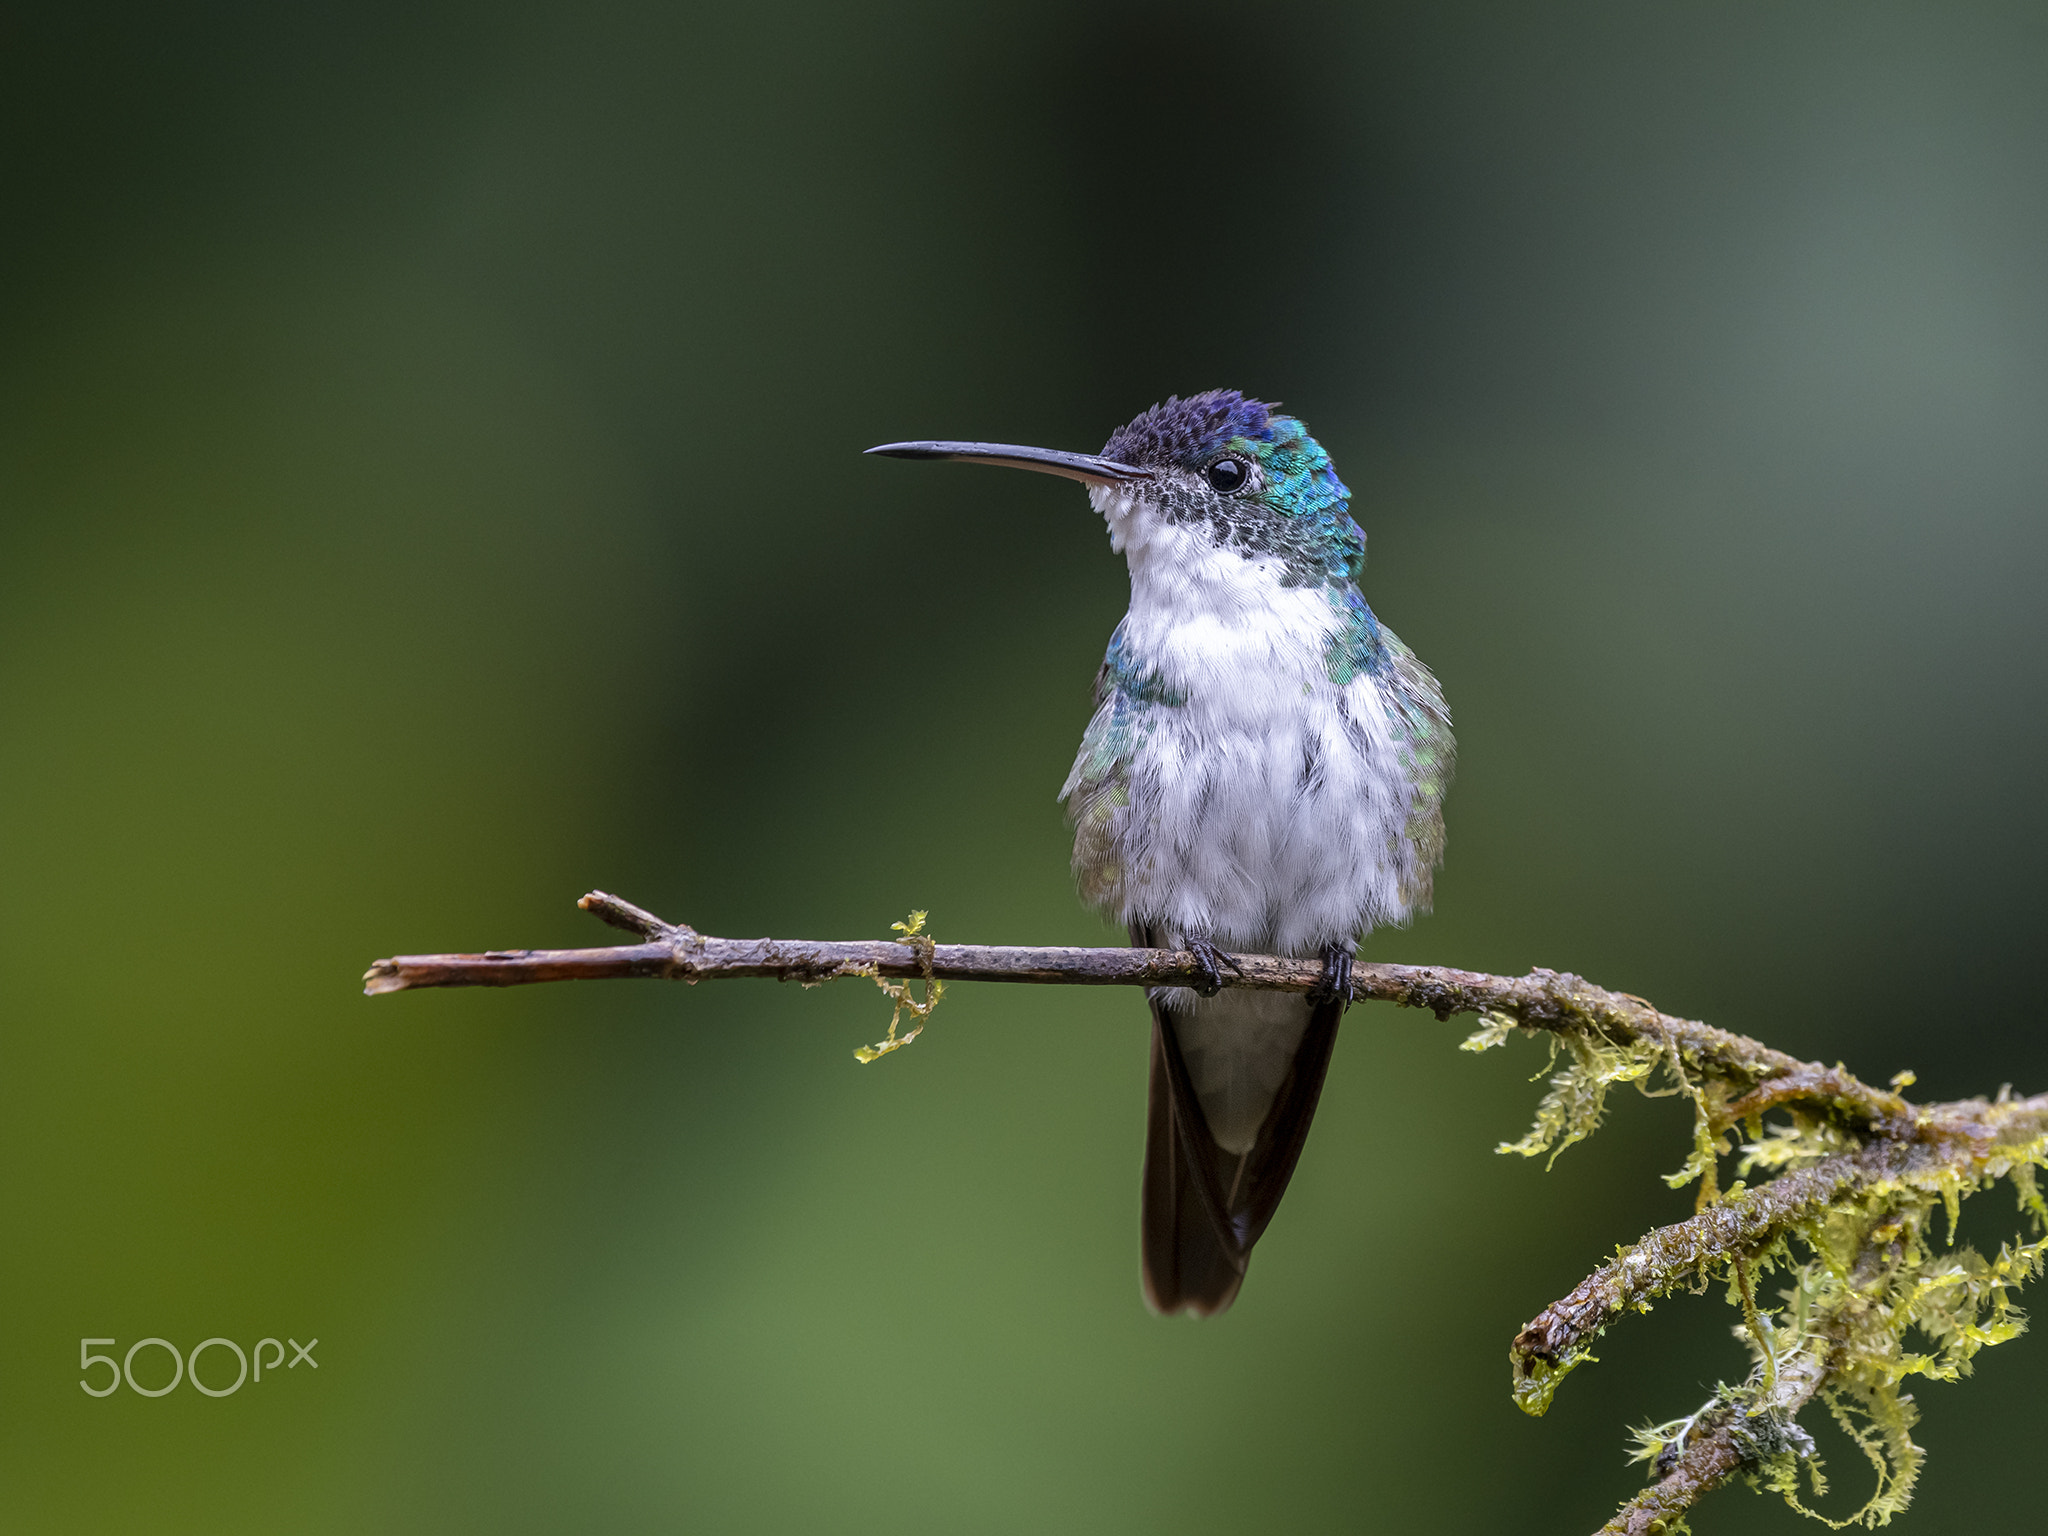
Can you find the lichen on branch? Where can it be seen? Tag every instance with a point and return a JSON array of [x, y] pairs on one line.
[[1845, 1221], [898, 993]]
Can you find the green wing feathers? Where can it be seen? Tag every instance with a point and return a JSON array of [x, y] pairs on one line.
[[1422, 730]]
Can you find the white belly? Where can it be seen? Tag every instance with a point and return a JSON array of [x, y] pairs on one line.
[[1275, 832]]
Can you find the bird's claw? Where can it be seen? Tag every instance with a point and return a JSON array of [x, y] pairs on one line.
[[1210, 960], [1334, 985]]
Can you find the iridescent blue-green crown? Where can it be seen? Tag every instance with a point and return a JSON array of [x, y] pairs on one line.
[[1189, 433], [1305, 507]]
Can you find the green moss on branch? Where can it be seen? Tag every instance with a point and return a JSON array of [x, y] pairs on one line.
[[1846, 1221]]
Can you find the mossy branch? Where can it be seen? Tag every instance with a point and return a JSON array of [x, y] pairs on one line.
[[1854, 1175]]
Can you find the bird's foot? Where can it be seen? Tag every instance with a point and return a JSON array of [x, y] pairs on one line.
[[1334, 985], [1211, 960]]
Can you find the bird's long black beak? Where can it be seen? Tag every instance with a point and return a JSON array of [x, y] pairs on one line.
[[1087, 467]]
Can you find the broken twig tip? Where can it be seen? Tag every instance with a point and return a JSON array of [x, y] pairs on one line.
[[383, 976]]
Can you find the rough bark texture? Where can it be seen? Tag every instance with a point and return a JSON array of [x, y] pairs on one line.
[[1542, 999]]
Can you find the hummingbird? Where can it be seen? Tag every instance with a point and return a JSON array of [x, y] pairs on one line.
[[1264, 772]]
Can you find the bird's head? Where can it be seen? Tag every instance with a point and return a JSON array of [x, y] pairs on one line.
[[1229, 467]]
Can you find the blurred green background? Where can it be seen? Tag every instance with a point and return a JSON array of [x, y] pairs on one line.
[[429, 465]]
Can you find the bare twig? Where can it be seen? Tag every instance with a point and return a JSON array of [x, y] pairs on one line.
[[1550, 1000]]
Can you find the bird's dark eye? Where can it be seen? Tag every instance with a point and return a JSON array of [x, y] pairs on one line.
[[1228, 475]]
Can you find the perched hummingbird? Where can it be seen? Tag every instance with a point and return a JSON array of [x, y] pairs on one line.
[[1264, 772]]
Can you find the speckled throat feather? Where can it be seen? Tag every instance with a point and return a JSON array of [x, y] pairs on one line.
[[1301, 512]]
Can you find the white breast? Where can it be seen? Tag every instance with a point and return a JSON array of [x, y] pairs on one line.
[[1264, 813]]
